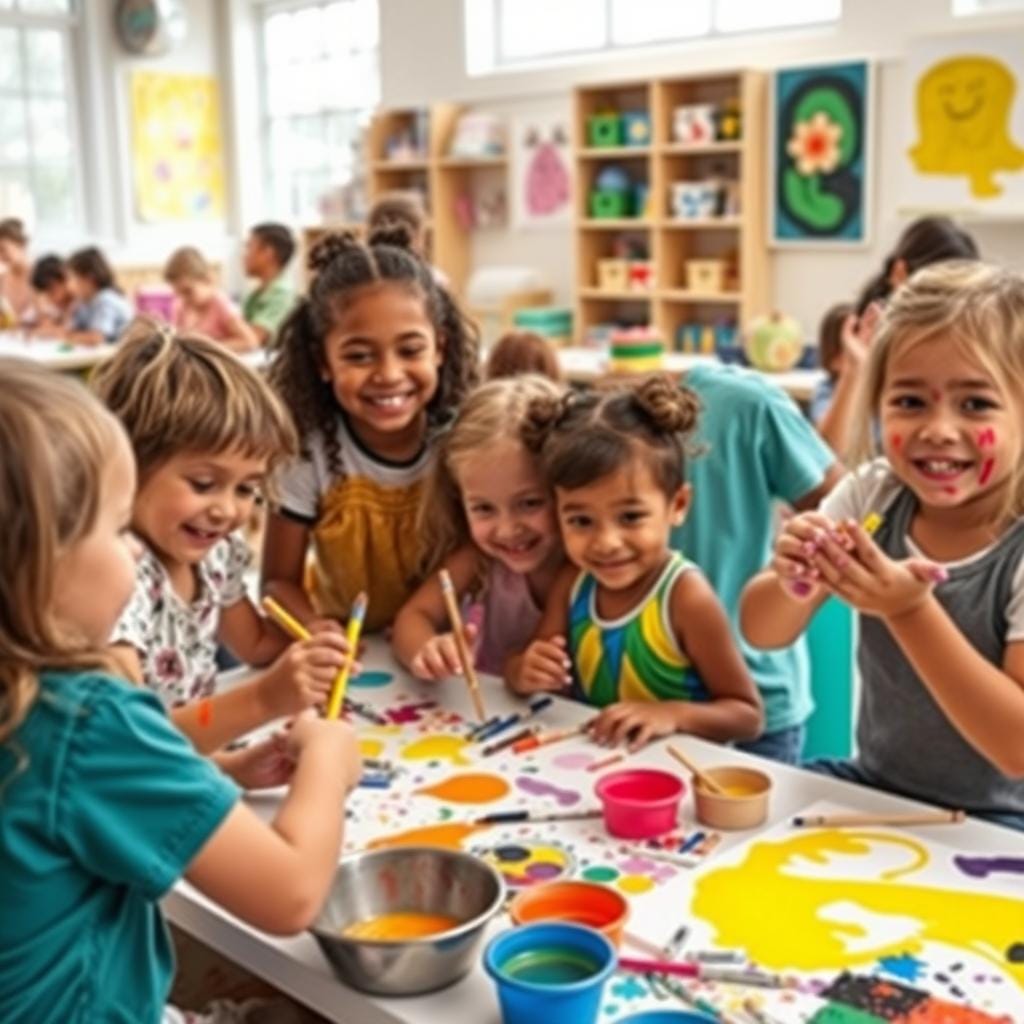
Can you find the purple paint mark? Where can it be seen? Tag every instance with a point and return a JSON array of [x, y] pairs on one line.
[[542, 870], [986, 471], [574, 761], [637, 865], [408, 713], [982, 867], [537, 787]]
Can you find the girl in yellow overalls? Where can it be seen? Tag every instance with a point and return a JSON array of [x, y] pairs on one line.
[[371, 364]]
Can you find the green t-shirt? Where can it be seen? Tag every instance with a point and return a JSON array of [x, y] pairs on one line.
[[267, 307], [102, 807], [757, 449]]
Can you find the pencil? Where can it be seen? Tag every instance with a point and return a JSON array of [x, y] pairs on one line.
[[936, 817], [459, 632], [606, 762], [291, 625], [355, 627]]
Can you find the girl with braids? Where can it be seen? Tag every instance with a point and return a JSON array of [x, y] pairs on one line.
[[638, 625], [488, 518], [371, 364]]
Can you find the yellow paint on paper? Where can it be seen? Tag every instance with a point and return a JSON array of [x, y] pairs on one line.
[[963, 107], [635, 884], [370, 748], [471, 788], [437, 748], [451, 836], [828, 920]]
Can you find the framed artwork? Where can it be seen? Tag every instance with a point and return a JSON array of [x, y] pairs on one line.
[[177, 153], [821, 148], [541, 170]]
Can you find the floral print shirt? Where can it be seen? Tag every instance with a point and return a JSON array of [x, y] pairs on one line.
[[177, 642]]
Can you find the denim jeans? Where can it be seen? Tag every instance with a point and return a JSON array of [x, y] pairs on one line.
[[785, 745]]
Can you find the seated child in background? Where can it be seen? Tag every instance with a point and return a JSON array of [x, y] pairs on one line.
[[522, 352], [831, 356], [105, 804], [50, 280], [202, 308], [268, 251], [940, 585], [101, 311], [206, 431], [405, 208], [18, 303], [637, 624], [488, 518]]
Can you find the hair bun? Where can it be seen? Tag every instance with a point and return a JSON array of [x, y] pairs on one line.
[[392, 232], [542, 416], [668, 405], [329, 248]]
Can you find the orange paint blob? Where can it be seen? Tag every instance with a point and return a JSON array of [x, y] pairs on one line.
[[471, 788], [451, 836], [399, 927]]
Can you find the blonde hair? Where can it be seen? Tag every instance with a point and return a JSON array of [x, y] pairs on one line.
[[187, 264], [177, 393], [57, 442], [979, 306], [493, 412]]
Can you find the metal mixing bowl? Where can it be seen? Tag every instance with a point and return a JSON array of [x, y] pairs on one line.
[[425, 879]]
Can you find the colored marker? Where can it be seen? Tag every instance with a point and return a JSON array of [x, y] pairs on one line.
[[717, 956], [509, 741], [544, 739], [480, 727], [690, 842], [375, 782], [671, 948], [709, 843], [355, 627], [357, 707], [499, 726]]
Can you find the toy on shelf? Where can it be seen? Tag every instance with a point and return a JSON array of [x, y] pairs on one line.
[[706, 276], [615, 274], [551, 322], [636, 350], [714, 196], [728, 121], [698, 124], [774, 343], [408, 143], [478, 135], [614, 194], [636, 128], [710, 339], [604, 129]]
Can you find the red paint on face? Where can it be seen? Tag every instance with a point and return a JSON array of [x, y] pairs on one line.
[[949, 490], [895, 440], [986, 438], [986, 471]]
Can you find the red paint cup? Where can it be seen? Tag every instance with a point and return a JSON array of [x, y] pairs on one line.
[[640, 803]]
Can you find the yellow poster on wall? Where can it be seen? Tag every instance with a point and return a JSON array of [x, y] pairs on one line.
[[177, 156]]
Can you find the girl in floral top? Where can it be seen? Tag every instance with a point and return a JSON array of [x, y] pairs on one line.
[[206, 432]]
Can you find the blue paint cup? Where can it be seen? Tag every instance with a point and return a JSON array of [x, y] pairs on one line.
[[550, 971], [667, 1017]]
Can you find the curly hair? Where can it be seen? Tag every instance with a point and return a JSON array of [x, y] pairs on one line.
[[584, 436], [343, 265]]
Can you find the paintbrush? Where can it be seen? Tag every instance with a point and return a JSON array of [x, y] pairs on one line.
[[936, 817], [513, 817], [459, 633], [355, 627], [702, 779]]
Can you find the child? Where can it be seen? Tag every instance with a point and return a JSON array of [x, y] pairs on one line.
[[101, 312], [924, 242], [940, 586], [206, 432], [405, 209], [202, 308], [488, 518], [831, 355], [105, 803], [647, 638], [16, 295], [268, 251], [50, 280], [371, 364], [522, 352]]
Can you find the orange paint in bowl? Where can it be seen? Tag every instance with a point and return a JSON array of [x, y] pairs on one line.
[[585, 903], [400, 926]]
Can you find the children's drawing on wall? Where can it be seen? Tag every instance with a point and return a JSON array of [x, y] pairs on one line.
[[176, 145], [821, 155], [963, 118], [541, 183]]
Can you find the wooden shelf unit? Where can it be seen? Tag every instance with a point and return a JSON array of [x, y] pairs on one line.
[[672, 241]]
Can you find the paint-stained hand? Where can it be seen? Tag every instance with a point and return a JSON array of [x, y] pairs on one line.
[[869, 580], [798, 542], [308, 730], [634, 722], [304, 673], [261, 765], [546, 666], [438, 658]]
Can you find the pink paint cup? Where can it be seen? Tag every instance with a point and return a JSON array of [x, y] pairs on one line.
[[640, 803]]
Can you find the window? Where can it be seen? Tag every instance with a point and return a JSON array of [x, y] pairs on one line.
[[968, 7], [38, 176], [321, 81], [506, 33]]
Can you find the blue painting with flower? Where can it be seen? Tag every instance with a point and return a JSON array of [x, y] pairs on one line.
[[821, 155]]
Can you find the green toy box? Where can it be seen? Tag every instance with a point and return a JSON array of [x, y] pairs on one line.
[[604, 130], [607, 203]]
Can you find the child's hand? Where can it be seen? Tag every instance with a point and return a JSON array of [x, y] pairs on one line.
[[304, 673], [870, 580], [262, 765], [545, 666], [438, 658], [317, 626], [307, 730], [637, 722], [798, 542]]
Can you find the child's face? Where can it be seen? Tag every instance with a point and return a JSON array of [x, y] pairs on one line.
[[511, 515], [81, 287], [948, 429], [58, 294], [11, 254], [193, 291], [382, 359], [617, 528], [255, 256], [195, 499], [95, 578]]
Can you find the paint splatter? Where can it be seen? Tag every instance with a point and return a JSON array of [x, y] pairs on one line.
[[451, 836], [471, 788], [635, 884], [981, 867], [904, 966], [409, 714], [528, 864], [368, 680], [600, 873], [895, 441], [437, 748], [986, 438], [370, 748], [573, 760], [537, 787], [986, 471], [629, 988]]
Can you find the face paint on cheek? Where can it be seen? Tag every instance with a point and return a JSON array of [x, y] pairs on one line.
[[986, 438], [895, 440], [951, 491], [986, 471]]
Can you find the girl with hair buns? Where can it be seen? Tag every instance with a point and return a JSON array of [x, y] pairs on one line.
[[372, 364], [631, 626]]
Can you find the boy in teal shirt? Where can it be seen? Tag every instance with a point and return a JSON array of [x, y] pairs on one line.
[[268, 251]]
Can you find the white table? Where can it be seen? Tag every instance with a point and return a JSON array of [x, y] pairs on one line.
[[582, 365], [296, 965], [54, 353]]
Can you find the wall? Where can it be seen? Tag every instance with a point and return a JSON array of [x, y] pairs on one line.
[[422, 60]]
